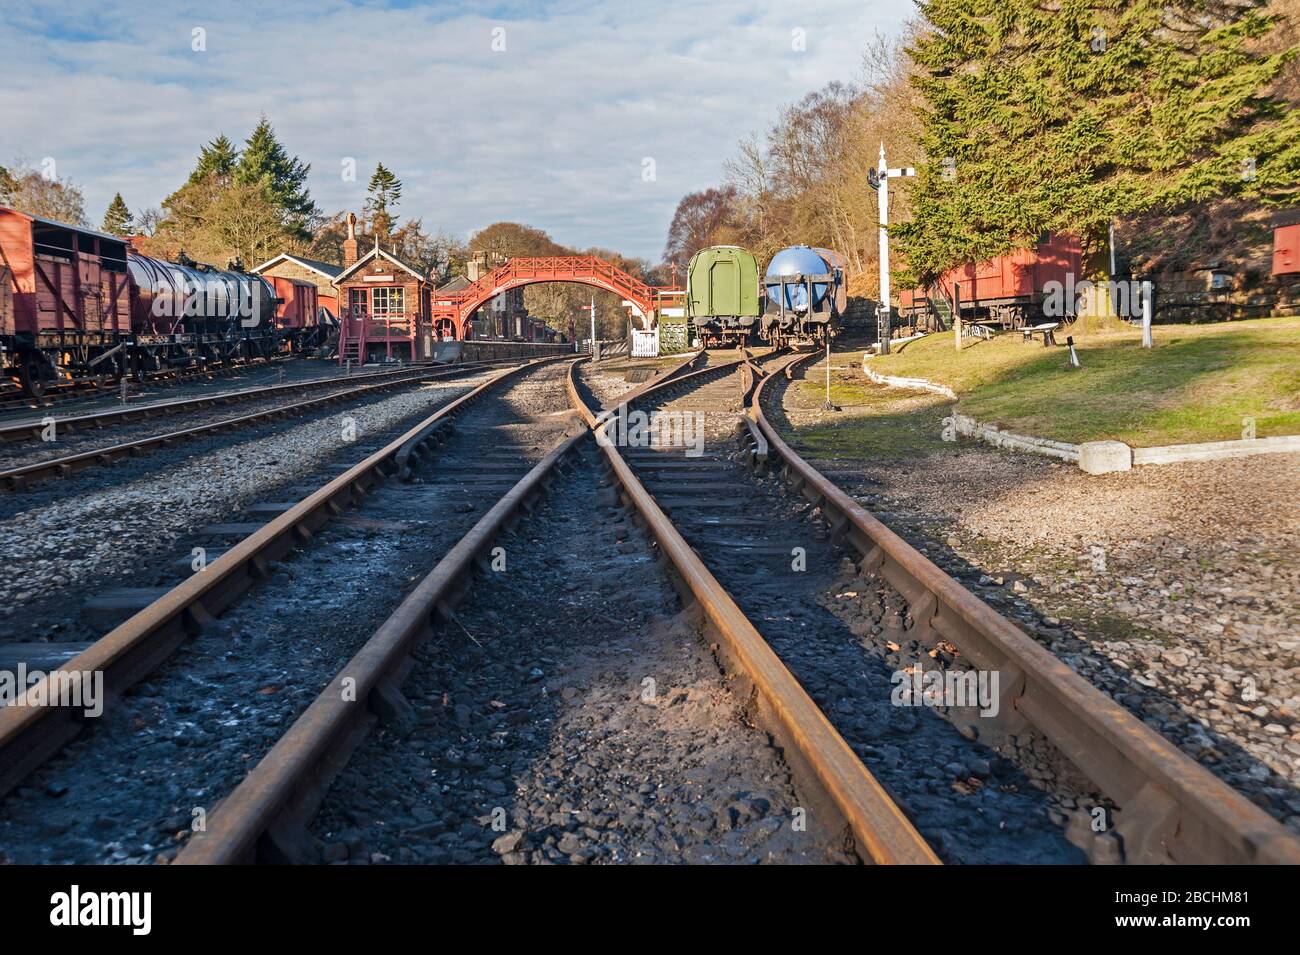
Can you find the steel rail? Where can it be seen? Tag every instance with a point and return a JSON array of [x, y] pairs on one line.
[[682, 367], [33, 429], [1172, 809], [880, 832], [29, 734], [18, 478], [265, 817]]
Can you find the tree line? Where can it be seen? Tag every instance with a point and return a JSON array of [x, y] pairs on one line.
[[251, 202], [1023, 118]]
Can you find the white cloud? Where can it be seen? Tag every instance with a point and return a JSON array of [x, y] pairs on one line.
[[550, 132]]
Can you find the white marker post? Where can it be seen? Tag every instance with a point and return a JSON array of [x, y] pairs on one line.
[[1148, 293], [956, 314], [827, 406], [880, 182]]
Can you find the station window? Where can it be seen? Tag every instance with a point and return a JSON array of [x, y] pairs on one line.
[[389, 302], [358, 301]]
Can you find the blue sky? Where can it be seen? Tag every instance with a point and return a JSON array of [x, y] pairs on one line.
[[553, 130]]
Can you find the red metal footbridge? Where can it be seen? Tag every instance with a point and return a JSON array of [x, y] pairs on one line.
[[455, 309]]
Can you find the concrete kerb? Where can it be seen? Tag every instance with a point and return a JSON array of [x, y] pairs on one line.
[[1093, 457]]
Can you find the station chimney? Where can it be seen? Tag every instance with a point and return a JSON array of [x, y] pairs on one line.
[[350, 243]]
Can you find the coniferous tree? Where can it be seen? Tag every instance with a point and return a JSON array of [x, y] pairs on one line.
[[1061, 118], [264, 161], [118, 219], [384, 191], [218, 157]]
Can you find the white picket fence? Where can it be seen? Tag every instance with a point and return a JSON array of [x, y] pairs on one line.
[[645, 344]]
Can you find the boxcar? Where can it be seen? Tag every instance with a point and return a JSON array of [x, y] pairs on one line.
[[1286, 243], [722, 298], [297, 312], [71, 298], [1007, 290], [86, 305]]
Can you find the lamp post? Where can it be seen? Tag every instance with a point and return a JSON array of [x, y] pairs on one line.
[[878, 179]]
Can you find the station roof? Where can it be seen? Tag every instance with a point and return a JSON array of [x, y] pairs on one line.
[[322, 268], [377, 252]]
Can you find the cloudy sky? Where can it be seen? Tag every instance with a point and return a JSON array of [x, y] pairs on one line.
[[550, 113]]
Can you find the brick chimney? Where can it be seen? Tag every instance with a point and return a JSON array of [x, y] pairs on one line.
[[476, 266], [350, 243]]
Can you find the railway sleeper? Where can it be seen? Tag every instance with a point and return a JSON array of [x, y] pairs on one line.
[[285, 837], [1147, 822]]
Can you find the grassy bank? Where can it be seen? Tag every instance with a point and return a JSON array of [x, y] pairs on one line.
[[1197, 384], [873, 423]]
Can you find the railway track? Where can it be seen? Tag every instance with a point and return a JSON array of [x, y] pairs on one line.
[[35, 429], [268, 814], [12, 399], [826, 702], [19, 476], [1160, 806], [137, 647]]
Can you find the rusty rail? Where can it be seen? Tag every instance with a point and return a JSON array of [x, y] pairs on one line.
[[20, 477], [89, 388], [1172, 809], [31, 734], [880, 831], [265, 817], [32, 429], [675, 372]]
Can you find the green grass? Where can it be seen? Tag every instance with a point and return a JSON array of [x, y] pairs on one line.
[[1197, 384], [874, 423]]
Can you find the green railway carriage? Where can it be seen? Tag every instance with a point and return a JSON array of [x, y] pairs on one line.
[[722, 295]]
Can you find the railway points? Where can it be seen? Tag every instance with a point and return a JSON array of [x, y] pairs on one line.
[[503, 503]]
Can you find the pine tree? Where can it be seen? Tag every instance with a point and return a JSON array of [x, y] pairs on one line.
[[385, 191], [1061, 119], [284, 177], [218, 157], [118, 219]]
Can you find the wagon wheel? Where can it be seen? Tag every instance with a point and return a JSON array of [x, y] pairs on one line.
[[142, 364], [33, 375]]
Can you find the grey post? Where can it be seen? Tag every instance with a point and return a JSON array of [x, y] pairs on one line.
[[1148, 293]]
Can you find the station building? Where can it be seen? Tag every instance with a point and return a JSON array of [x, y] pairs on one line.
[[384, 306]]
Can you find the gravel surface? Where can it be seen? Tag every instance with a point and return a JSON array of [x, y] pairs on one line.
[[181, 739], [566, 718], [1174, 589], [111, 525], [18, 454]]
